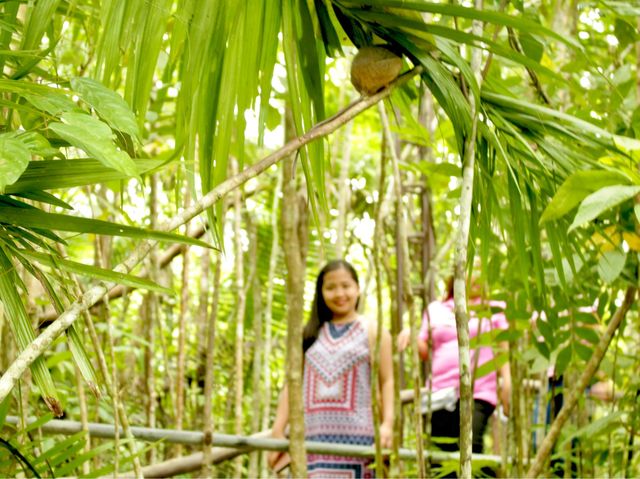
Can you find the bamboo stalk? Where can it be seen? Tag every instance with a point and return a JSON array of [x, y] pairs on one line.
[[95, 293], [460, 262], [406, 280], [257, 400], [273, 263], [376, 253], [106, 431], [182, 329], [293, 221], [239, 317], [208, 378]]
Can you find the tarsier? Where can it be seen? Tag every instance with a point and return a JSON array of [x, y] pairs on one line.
[[373, 68]]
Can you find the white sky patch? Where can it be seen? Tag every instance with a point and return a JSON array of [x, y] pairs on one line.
[[585, 80], [583, 35], [612, 40], [364, 229]]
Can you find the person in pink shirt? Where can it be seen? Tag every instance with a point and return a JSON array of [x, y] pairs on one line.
[[445, 371], [439, 321]]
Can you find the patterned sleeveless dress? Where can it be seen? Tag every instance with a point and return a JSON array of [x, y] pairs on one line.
[[337, 399]]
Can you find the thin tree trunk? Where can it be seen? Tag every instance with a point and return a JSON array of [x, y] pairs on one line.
[[343, 191], [182, 332], [294, 225], [516, 413], [84, 418], [405, 277], [150, 313], [257, 400], [460, 262], [273, 263], [378, 244], [577, 391], [241, 303], [208, 378]]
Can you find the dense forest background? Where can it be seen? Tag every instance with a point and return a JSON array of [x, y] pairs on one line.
[[173, 174]]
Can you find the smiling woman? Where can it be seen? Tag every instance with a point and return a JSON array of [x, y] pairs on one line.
[[338, 345]]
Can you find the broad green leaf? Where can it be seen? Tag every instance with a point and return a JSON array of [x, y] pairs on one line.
[[547, 332], [588, 334], [602, 200], [37, 144], [611, 264], [109, 105], [531, 46], [636, 210], [576, 188], [96, 139], [542, 349], [14, 159], [583, 351], [35, 218], [626, 143], [53, 103]]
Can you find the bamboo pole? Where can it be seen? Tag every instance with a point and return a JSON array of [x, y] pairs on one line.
[[106, 431], [273, 263], [294, 222], [378, 240], [185, 294], [241, 298], [98, 291], [258, 398], [209, 376], [460, 263], [405, 278]]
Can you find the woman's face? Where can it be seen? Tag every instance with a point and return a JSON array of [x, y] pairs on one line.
[[340, 292]]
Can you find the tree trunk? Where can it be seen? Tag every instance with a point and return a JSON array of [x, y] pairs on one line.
[[404, 283], [294, 240], [344, 191], [208, 378], [182, 332], [257, 399], [241, 303], [273, 264]]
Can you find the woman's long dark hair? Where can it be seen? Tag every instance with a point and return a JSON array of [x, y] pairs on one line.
[[320, 312]]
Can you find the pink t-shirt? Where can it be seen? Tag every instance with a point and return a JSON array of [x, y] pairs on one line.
[[444, 358]]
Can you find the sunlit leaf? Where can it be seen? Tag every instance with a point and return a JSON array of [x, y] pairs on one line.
[[14, 159], [611, 264], [96, 139], [602, 200], [109, 105]]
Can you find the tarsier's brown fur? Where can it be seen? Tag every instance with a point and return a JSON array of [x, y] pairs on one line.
[[373, 68]]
